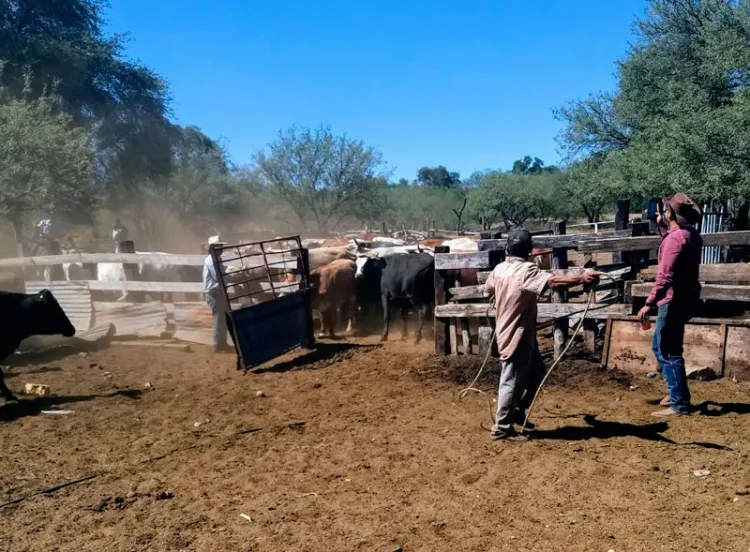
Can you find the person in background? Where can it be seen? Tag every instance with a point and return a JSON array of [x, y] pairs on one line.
[[675, 294], [119, 233], [215, 299], [516, 285], [44, 230]]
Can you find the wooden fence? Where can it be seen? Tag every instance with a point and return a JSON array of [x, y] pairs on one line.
[[460, 309], [186, 320]]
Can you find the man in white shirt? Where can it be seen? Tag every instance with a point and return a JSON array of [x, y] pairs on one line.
[[215, 299], [516, 285]]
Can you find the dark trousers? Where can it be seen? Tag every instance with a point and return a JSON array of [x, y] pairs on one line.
[[667, 344]]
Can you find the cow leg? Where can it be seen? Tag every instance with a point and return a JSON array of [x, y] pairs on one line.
[[7, 395], [323, 322], [386, 318], [330, 322], [351, 307], [404, 323], [423, 312]]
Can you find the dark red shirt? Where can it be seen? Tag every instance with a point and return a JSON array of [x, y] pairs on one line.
[[679, 265]]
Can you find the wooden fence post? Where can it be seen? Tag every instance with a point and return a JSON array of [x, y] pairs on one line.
[[622, 217], [560, 262], [308, 340], [442, 342]]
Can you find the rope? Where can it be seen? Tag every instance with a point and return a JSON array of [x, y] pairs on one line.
[[585, 311]]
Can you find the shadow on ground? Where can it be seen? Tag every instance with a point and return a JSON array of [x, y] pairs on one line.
[[12, 411], [711, 408], [324, 354], [599, 429], [36, 370]]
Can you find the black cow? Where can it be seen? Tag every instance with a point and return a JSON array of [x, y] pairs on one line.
[[407, 281], [368, 277], [22, 316]]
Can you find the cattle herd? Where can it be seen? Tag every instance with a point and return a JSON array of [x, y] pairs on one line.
[[360, 280]]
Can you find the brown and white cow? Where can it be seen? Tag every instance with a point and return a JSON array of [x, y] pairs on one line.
[[334, 288]]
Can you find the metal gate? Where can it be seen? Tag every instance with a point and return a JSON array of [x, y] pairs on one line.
[[711, 223], [266, 288]]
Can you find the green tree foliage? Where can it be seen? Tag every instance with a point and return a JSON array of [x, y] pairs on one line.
[[324, 178], [532, 165], [202, 185], [45, 161], [680, 118], [415, 207], [515, 198], [438, 177], [123, 103]]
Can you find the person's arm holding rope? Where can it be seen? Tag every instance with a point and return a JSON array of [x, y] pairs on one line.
[[588, 278]]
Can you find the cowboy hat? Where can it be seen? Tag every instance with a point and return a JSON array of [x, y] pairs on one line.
[[685, 210]]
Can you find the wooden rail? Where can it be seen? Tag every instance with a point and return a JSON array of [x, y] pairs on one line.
[[714, 292], [563, 241], [166, 259], [545, 310], [710, 273], [719, 239]]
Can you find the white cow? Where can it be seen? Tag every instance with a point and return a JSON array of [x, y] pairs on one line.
[[461, 244]]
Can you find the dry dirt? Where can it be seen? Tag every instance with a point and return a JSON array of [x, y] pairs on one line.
[[361, 447]]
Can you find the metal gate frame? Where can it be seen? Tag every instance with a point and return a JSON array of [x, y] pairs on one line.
[[269, 326]]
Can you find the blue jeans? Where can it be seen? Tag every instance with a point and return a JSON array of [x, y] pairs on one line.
[[667, 344]]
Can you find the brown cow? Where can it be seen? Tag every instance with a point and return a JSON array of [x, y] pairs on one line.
[[333, 288]]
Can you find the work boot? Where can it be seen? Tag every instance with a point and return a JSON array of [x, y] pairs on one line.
[[519, 421], [667, 412], [508, 435]]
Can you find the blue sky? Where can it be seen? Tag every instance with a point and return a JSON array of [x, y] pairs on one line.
[[469, 85]]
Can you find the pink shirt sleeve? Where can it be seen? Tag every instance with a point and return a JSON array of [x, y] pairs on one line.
[[670, 249]]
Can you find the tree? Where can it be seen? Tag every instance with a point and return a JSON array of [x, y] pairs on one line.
[[591, 185], [121, 102], [528, 166], [438, 177], [322, 177], [501, 196], [546, 191], [45, 162], [680, 118]]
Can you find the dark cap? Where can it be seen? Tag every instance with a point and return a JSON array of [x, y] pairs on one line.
[[519, 242], [686, 211]]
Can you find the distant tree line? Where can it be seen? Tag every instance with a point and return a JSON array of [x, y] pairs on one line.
[[84, 130]]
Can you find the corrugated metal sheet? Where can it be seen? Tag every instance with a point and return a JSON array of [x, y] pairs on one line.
[[138, 319], [193, 322], [74, 298], [40, 343]]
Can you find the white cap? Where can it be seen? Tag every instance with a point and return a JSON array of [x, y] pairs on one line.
[[214, 240]]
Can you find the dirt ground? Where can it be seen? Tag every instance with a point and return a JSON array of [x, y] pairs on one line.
[[358, 446]]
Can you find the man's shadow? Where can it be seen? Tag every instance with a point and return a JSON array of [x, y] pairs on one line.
[[712, 408], [598, 429]]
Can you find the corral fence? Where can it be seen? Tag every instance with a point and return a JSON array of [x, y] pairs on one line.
[[720, 345], [181, 313]]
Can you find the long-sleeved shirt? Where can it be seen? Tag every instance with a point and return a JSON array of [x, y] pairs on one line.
[[679, 265], [210, 281]]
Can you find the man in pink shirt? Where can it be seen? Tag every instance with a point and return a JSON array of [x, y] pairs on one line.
[[516, 285], [676, 294]]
